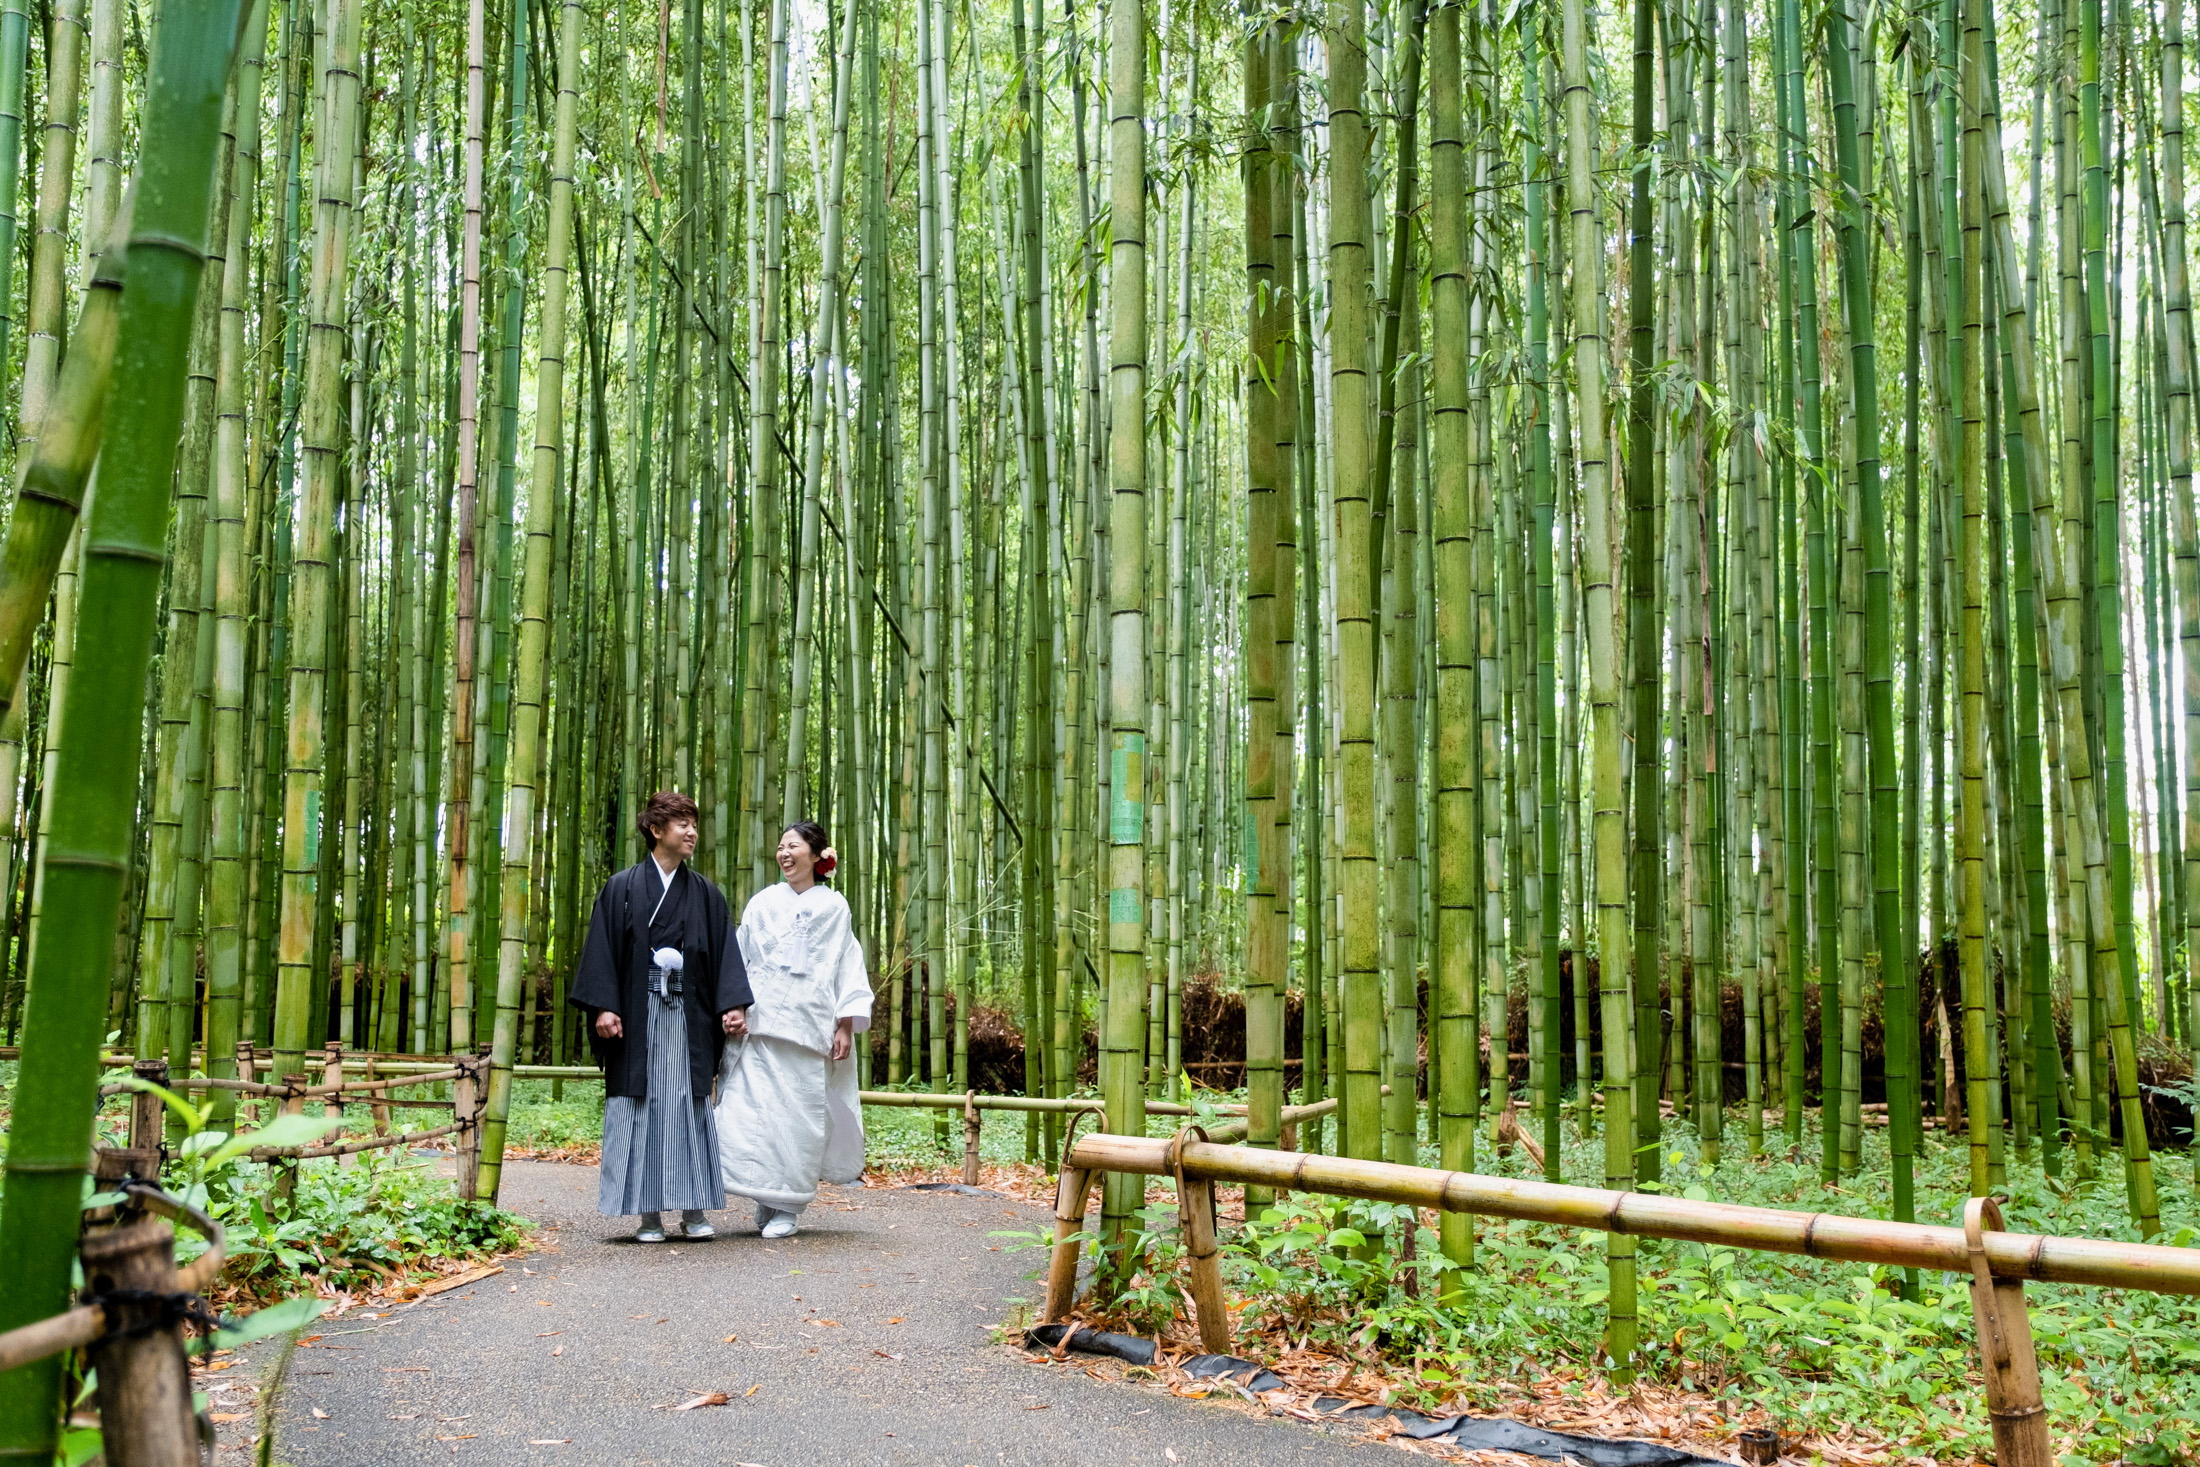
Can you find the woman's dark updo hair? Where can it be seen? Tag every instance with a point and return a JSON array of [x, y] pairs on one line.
[[813, 835]]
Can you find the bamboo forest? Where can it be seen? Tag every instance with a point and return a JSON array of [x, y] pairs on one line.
[[1604, 594]]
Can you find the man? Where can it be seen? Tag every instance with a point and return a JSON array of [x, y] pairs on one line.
[[660, 978]]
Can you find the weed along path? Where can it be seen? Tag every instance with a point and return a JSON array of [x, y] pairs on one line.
[[870, 1337]]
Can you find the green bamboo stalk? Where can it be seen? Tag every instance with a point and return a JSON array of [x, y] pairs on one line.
[[1885, 841], [42, 528], [1644, 630], [14, 55], [1608, 829], [1800, 249], [311, 591], [1397, 463], [531, 665], [2119, 984], [95, 791], [1541, 555], [465, 641], [2185, 534], [1401, 676], [1267, 953], [821, 340], [1352, 489], [1905, 1122], [1121, 1040]]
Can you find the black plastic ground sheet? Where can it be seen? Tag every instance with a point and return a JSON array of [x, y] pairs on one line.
[[1472, 1433]]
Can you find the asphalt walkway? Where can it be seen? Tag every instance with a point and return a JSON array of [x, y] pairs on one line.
[[873, 1336]]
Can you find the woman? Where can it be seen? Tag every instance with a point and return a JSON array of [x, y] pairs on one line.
[[788, 1116]]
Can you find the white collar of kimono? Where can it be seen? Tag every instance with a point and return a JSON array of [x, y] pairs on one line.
[[666, 890]]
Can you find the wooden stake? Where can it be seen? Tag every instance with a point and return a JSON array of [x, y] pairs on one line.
[[2005, 1355], [332, 1109], [1195, 1212], [246, 1070], [971, 1127], [147, 1112], [1069, 1225], [144, 1381], [381, 1103], [466, 1113]]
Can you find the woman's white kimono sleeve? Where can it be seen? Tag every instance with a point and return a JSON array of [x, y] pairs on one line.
[[843, 1160]]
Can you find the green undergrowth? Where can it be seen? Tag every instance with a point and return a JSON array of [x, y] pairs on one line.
[[366, 1223], [1816, 1346], [369, 1226]]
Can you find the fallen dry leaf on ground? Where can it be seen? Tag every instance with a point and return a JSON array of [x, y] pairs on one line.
[[714, 1398], [461, 1280]]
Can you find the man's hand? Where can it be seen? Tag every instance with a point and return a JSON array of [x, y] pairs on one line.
[[843, 1038], [608, 1025], [736, 1022]]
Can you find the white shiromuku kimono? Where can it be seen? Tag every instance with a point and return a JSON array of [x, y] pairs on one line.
[[788, 1115]]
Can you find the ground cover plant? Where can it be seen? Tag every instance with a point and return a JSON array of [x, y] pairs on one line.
[[334, 1228]]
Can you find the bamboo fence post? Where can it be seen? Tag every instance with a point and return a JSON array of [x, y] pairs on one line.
[[381, 1104], [1069, 1224], [1195, 1204], [246, 1073], [469, 1134], [973, 1124], [2006, 1361], [332, 1075], [144, 1380], [146, 1111]]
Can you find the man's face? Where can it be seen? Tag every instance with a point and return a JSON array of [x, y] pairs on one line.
[[676, 839]]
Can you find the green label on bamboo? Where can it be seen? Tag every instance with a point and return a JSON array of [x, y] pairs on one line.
[[1123, 905], [1252, 850], [313, 828], [1127, 782]]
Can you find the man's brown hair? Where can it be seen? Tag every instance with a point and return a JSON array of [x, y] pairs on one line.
[[663, 808]]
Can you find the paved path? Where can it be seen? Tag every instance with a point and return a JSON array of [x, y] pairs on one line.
[[868, 1338]]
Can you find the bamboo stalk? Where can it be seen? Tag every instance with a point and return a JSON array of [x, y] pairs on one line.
[[94, 789]]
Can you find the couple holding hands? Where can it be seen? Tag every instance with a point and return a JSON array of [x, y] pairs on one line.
[[679, 998]]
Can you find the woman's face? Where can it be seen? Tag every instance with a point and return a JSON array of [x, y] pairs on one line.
[[797, 862]]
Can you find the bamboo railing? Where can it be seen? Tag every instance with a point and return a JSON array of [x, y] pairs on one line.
[[1997, 1263], [973, 1106], [465, 1073]]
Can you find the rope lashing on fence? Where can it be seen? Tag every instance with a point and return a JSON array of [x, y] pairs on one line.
[[129, 1313]]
